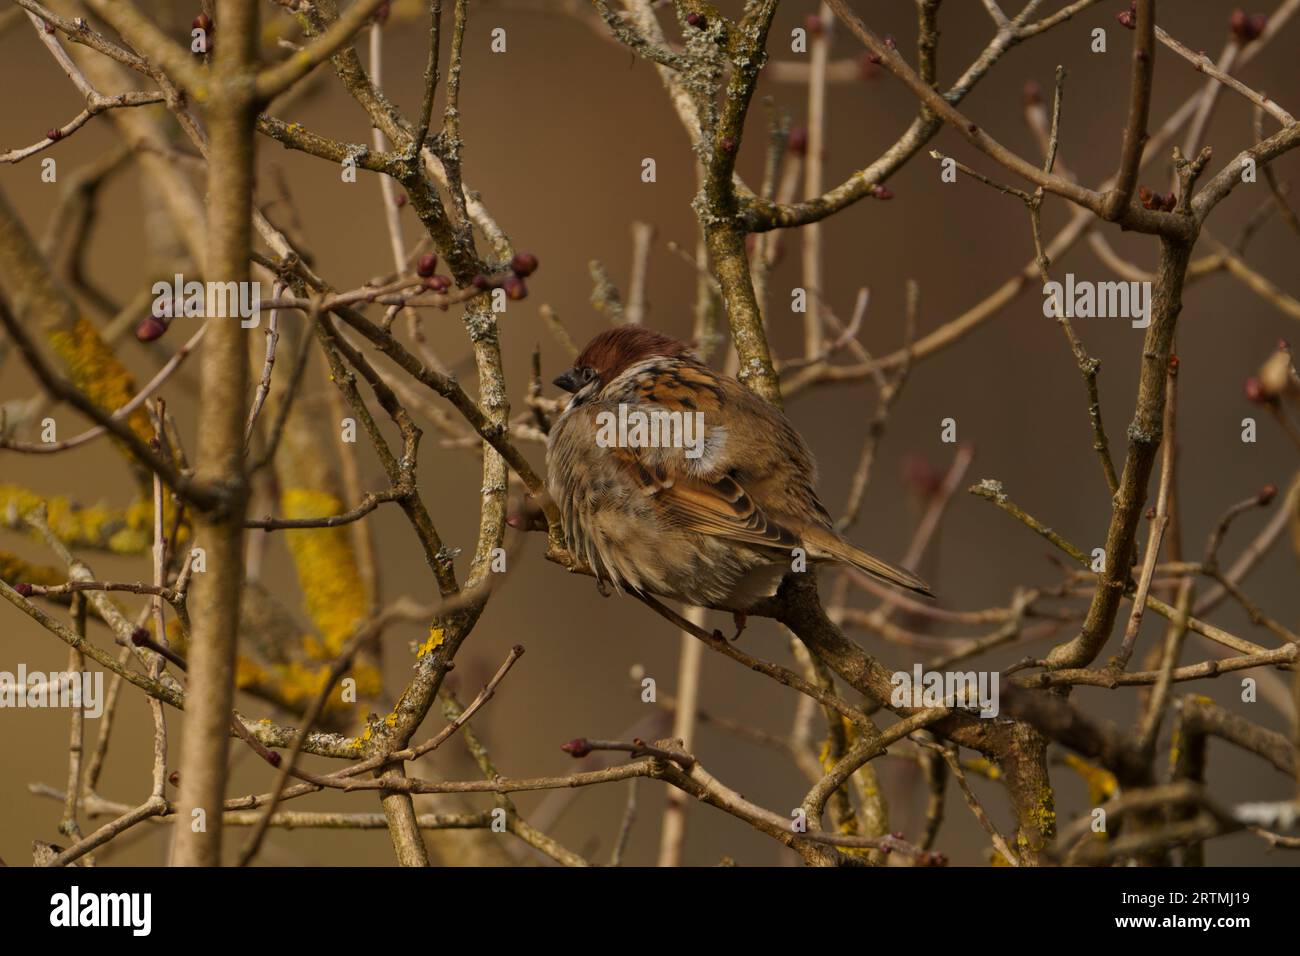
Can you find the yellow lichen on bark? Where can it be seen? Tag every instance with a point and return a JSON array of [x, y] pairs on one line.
[[436, 636], [96, 370], [335, 600], [333, 594], [14, 570], [296, 684], [984, 767], [1101, 783], [121, 531], [1042, 819], [301, 683]]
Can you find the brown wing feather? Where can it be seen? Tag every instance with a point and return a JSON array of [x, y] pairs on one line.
[[721, 507]]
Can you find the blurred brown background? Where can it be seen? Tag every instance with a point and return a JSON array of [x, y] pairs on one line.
[[555, 130]]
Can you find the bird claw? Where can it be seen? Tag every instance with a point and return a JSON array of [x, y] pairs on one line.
[[741, 619]]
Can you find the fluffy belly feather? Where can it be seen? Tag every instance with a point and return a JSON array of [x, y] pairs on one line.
[[680, 565]]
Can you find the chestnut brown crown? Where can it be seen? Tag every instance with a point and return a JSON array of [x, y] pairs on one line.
[[615, 350]]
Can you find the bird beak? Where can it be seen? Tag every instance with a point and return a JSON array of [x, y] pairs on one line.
[[568, 381]]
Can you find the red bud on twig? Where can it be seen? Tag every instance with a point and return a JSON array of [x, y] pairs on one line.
[[1255, 392], [1247, 26], [797, 141], [515, 288], [523, 264], [578, 747], [150, 328], [920, 475], [867, 66]]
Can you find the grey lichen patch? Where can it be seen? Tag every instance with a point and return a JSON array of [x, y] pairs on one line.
[[481, 326], [990, 488], [1144, 436]]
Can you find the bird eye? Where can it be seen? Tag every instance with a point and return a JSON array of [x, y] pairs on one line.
[[588, 374]]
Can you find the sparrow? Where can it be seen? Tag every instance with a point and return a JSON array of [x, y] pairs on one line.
[[713, 505]]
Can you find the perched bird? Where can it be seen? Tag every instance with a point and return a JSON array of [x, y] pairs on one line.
[[678, 481]]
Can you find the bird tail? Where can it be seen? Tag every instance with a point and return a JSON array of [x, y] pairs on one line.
[[832, 546]]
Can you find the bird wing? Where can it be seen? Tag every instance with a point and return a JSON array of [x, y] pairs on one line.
[[702, 495], [719, 507], [718, 495]]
